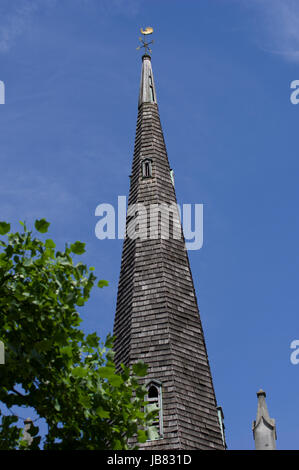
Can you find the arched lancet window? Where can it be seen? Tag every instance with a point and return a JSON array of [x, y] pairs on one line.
[[154, 398], [146, 166], [153, 392]]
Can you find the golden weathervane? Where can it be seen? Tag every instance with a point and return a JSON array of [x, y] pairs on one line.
[[145, 32]]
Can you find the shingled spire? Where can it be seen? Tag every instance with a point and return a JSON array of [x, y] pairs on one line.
[[157, 318]]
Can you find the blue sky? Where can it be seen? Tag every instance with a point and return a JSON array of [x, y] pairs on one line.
[[222, 70]]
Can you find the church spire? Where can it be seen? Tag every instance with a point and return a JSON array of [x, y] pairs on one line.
[[264, 429], [157, 318]]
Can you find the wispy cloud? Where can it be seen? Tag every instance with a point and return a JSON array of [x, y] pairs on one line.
[[16, 16], [13, 22], [278, 26]]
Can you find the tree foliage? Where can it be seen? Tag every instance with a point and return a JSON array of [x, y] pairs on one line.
[[69, 378]]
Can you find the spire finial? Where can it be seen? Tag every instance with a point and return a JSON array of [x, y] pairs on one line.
[[148, 30], [264, 428]]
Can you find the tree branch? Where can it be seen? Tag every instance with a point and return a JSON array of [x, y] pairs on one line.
[[18, 393]]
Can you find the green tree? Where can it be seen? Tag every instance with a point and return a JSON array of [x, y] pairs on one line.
[[69, 378]]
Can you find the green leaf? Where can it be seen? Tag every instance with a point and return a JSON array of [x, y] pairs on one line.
[[49, 243], [57, 405], [142, 436], [44, 345], [28, 262], [126, 372], [152, 407], [85, 402], [23, 445], [92, 340], [102, 413], [67, 350], [109, 341], [78, 248], [115, 380], [80, 302], [152, 433], [9, 250], [106, 372], [140, 369], [117, 445], [110, 355], [4, 228], [41, 225], [79, 372], [103, 283]]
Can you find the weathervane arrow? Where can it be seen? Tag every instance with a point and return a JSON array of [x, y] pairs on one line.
[[148, 30]]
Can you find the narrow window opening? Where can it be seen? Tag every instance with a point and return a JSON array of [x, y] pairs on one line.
[[154, 398], [151, 87], [153, 392], [147, 168]]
